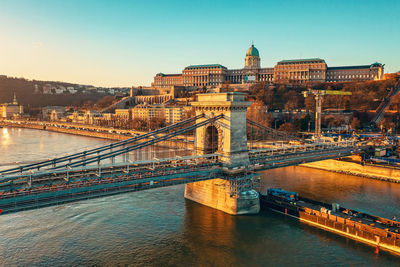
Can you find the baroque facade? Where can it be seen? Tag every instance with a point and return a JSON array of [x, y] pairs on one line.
[[8, 110], [296, 71]]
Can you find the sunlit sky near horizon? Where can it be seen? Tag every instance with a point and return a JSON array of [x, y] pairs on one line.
[[125, 43]]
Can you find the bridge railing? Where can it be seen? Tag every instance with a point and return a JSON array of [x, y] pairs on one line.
[[259, 164], [53, 180], [284, 149], [57, 180], [113, 154], [69, 158]]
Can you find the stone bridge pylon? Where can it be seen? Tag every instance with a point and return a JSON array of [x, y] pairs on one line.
[[233, 193]]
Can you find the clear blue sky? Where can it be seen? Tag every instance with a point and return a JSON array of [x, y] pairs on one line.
[[124, 43]]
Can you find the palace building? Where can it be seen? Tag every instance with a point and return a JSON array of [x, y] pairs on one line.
[[295, 71]]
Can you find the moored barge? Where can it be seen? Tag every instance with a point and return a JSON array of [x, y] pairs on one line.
[[373, 230]]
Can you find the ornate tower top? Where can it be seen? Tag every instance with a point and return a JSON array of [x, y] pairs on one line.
[[15, 102], [252, 60], [252, 51]]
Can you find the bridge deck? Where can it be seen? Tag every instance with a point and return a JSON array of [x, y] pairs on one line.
[[50, 187], [84, 175]]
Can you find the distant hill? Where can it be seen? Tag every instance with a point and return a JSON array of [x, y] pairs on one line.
[[30, 93]]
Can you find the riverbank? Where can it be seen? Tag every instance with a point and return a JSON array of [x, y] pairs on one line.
[[384, 173], [97, 132]]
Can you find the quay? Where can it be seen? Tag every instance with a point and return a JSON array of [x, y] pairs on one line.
[[371, 171]]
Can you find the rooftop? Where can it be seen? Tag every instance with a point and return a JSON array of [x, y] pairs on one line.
[[349, 67], [218, 97], [376, 64], [162, 74], [252, 51], [302, 60], [205, 66]]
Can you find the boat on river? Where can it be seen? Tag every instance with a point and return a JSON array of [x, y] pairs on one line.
[[372, 230]]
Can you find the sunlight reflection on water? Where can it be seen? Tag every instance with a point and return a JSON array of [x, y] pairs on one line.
[[160, 228]]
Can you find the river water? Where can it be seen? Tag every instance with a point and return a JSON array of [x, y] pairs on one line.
[[159, 227]]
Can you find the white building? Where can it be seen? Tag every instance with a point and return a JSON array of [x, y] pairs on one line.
[[71, 90], [47, 89], [59, 90]]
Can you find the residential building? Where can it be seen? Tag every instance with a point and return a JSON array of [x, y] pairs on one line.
[[171, 114]]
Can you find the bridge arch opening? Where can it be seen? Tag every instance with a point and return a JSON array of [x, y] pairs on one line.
[[211, 140]]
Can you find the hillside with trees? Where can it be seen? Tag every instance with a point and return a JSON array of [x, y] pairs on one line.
[[25, 91], [366, 95]]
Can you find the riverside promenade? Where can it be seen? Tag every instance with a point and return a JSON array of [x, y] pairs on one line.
[[372, 171]]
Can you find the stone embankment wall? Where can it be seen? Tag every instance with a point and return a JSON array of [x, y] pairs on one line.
[[104, 135], [391, 174]]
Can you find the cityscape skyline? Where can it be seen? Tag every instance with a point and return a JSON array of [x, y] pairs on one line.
[[202, 132], [127, 43]]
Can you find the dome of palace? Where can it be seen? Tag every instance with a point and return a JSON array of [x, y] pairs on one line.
[[252, 51], [376, 65]]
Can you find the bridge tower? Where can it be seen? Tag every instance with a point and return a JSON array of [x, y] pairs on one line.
[[233, 192]]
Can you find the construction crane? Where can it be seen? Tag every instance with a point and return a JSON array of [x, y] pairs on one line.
[[319, 94]]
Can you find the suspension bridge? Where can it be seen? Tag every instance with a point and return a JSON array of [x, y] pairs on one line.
[[219, 168]]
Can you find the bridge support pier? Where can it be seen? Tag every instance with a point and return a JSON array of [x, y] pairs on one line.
[[217, 194], [227, 137]]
